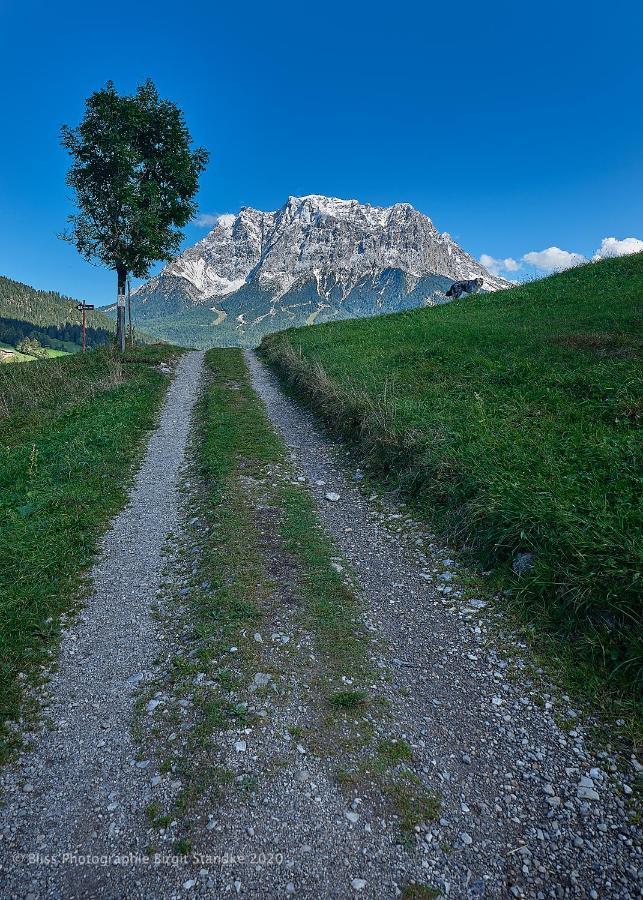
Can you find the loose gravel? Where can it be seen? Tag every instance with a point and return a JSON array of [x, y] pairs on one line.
[[76, 798], [527, 809]]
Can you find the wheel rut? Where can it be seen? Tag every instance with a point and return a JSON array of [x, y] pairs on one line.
[[76, 798], [528, 810]]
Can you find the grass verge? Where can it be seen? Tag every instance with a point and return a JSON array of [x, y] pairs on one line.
[[511, 421], [71, 432], [231, 582], [240, 443]]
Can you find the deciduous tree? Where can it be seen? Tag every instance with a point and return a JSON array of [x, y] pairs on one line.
[[135, 175]]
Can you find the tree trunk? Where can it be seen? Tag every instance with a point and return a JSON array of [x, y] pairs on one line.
[[120, 308]]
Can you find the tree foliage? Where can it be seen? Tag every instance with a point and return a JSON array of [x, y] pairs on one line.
[[56, 337], [32, 347], [134, 175]]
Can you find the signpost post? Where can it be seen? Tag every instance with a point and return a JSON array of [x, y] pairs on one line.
[[129, 313], [84, 307]]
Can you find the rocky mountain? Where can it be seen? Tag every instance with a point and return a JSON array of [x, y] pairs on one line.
[[314, 260]]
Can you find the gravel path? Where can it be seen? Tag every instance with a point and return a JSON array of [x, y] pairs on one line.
[[80, 790], [528, 810]]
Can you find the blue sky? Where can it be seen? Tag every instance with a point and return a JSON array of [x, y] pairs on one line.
[[516, 126]]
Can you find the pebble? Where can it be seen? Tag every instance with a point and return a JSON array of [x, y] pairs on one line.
[[476, 603]]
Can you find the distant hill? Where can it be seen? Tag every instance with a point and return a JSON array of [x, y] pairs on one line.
[[48, 316], [20, 301]]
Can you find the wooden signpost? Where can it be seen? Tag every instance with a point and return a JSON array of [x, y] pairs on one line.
[[84, 307]]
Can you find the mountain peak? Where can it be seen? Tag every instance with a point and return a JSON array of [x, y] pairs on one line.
[[335, 207], [318, 251]]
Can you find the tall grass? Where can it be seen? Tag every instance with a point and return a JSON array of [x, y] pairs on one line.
[[512, 421], [71, 433], [56, 382]]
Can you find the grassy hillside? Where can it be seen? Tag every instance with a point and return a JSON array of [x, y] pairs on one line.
[[16, 356], [45, 308], [71, 431], [513, 422]]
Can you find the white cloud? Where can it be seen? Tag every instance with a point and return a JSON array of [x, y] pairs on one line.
[[205, 220], [553, 259], [210, 220], [611, 246], [498, 266]]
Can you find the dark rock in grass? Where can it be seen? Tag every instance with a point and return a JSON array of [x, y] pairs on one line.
[[468, 286], [522, 562]]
